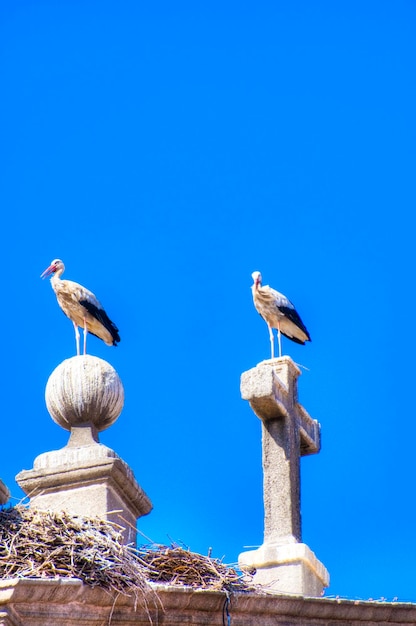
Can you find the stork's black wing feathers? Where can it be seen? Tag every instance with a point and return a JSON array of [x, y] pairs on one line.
[[293, 316], [103, 318], [293, 338]]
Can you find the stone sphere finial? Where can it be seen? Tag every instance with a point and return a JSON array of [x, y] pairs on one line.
[[84, 389]]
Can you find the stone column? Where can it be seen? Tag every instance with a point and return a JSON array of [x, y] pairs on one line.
[[84, 395], [283, 563]]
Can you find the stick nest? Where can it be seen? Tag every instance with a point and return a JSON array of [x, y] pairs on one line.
[[35, 544]]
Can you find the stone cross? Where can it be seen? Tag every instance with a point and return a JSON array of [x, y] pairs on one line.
[[283, 562]]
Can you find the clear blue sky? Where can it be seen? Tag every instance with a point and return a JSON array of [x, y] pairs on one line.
[[164, 151]]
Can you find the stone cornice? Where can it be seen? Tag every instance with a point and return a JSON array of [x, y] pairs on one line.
[[68, 602]]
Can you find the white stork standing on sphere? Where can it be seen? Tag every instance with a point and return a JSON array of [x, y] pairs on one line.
[[82, 307], [278, 312]]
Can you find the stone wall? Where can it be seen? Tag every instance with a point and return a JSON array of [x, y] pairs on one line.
[[68, 602]]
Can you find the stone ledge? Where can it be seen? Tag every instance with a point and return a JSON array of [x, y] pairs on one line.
[[68, 602]]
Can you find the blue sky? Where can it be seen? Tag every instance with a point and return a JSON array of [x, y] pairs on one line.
[[165, 152]]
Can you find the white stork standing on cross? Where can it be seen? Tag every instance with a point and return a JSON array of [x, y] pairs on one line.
[[278, 312], [82, 307]]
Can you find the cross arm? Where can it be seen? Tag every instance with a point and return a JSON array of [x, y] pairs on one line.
[[271, 389]]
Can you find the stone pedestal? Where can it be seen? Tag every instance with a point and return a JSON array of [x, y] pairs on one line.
[[283, 563], [89, 480], [288, 569], [84, 395]]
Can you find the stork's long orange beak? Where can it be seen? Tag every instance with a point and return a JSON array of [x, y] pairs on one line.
[[49, 270]]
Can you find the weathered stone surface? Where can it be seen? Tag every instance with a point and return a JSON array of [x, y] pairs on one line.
[[88, 480], [4, 493], [84, 389], [272, 391], [290, 568], [68, 602], [85, 395], [283, 563]]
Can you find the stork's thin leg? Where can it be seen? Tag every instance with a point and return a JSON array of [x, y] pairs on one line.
[[271, 340], [76, 337], [85, 336], [279, 338]]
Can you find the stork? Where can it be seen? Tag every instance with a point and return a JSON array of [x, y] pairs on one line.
[[82, 307], [278, 312]]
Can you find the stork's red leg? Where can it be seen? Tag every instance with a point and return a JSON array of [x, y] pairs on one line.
[[76, 337]]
